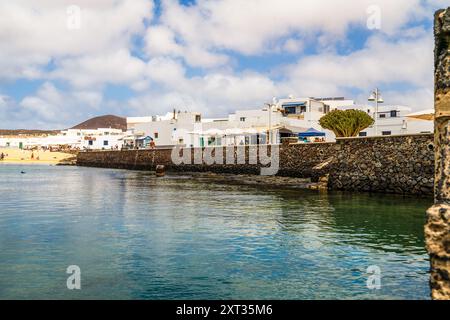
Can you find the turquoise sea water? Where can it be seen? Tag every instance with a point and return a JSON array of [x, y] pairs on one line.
[[135, 236]]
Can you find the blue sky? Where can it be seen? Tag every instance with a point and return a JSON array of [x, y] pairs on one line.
[[62, 62]]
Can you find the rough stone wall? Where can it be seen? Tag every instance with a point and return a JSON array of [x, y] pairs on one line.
[[396, 164], [130, 159], [437, 229], [296, 160], [392, 164]]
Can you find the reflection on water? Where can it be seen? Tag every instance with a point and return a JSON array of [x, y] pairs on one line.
[[135, 236]]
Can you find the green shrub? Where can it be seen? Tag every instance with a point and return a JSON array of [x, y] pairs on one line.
[[346, 123]]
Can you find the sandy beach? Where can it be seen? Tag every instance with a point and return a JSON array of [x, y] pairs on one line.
[[18, 156]]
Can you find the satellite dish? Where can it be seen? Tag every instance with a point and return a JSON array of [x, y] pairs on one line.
[[274, 100]]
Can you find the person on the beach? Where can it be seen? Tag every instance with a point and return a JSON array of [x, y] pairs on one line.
[[32, 156], [152, 144], [2, 156]]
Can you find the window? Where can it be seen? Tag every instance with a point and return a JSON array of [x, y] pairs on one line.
[[91, 143], [394, 113], [242, 119], [404, 125], [386, 133], [105, 142], [156, 135], [293, 108], [382, 115], [363, 134], [198, 118], [290, 110], [211, 141]]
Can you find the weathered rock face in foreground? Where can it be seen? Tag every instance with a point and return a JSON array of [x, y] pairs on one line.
[[437, 229], [389, 164]]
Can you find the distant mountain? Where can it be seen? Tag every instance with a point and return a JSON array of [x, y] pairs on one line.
[[108, 121], [27, 132]]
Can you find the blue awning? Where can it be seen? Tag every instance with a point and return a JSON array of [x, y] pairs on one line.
[[144, 138], [293, 104], [311, 132]]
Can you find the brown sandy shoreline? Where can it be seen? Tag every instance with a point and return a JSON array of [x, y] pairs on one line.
[[17, 156]]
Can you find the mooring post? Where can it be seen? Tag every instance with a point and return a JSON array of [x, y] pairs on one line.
[[437, 229]]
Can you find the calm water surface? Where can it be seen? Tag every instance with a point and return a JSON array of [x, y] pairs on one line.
[[135, 236]]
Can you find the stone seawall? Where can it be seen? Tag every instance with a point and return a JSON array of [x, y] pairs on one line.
[[392, 164], [296, 160]]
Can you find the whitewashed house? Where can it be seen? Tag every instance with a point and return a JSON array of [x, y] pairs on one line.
[[172, 129], [392, 120], [389, 119], [286, 118], [244, 127], [92, 139], [95, 139]]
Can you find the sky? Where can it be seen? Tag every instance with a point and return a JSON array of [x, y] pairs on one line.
[[62, 62]]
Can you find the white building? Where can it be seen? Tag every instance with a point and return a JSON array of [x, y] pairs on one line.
[[306, 112], [172, 129], [98, 139], [243, 127], [94, 139], [389, 120], [392, 120], [287, 118]]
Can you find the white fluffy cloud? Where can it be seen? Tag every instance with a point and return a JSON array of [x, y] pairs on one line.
[[34, 33], [380, 63], [253, 26], [189, 56], [117, 67], [53, 108], [215, 94], [161, 40], [407, 62]]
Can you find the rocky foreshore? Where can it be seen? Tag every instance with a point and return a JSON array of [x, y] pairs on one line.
[[252, 180]]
